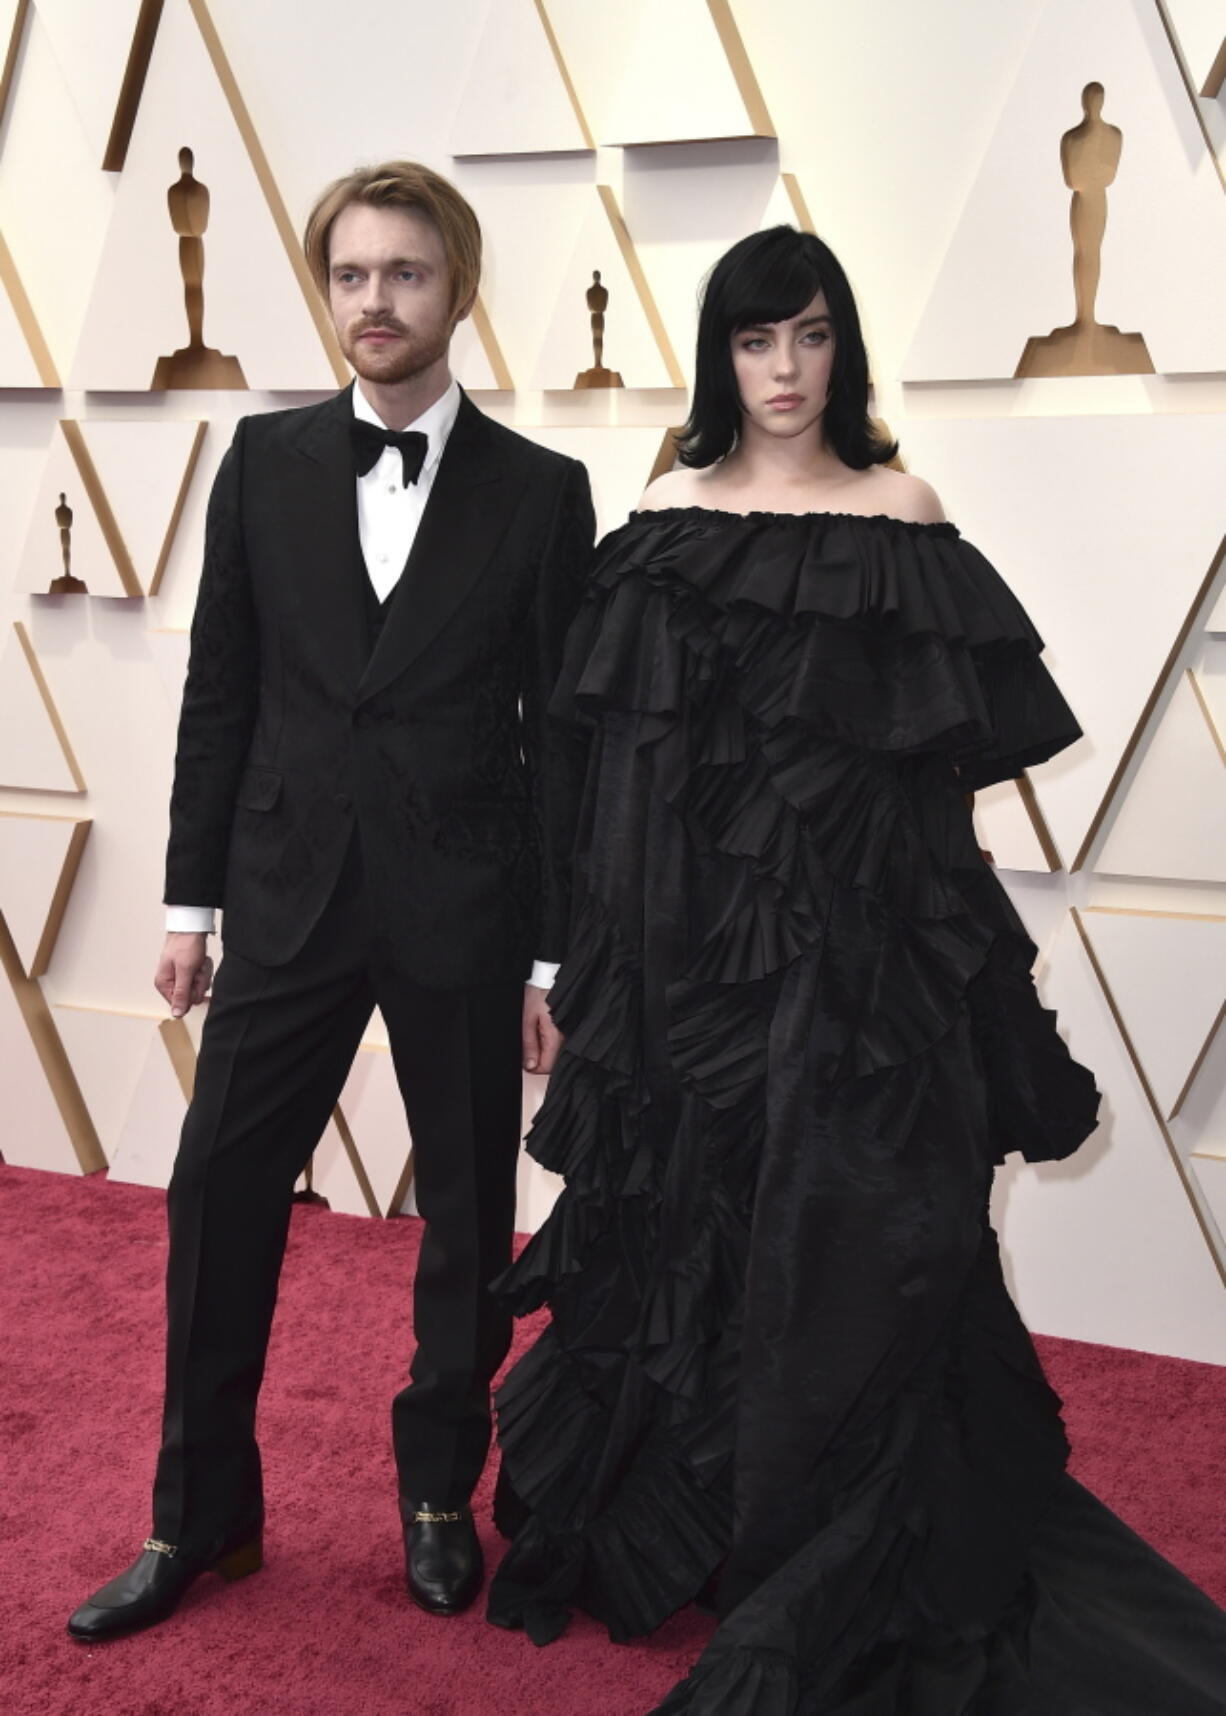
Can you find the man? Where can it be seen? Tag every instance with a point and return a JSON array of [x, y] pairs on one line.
[[367, 781]]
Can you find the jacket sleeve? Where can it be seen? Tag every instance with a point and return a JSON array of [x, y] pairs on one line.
[[556, 752], [219, 700]]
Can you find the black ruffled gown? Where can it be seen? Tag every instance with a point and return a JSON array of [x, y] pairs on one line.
[[800, 1031]]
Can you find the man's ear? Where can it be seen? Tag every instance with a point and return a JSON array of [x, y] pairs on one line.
[[464, 312]]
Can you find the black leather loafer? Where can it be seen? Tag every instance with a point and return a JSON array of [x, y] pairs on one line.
[[152, 1588], [443, 1563]]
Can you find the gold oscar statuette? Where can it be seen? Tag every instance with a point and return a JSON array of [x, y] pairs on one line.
[[195, 364], [1090, 157], [66, 584], [598, 303]]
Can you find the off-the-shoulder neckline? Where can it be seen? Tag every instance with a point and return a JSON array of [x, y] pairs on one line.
[[939, 526]]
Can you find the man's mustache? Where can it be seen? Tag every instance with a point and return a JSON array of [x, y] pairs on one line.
[[383, 325]]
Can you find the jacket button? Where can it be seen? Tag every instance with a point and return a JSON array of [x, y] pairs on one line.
[[343, 801]]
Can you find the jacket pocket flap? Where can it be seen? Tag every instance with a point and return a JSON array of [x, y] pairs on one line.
[[259, 788]]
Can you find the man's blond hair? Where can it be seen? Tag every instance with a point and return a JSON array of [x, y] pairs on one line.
[[402, 185]]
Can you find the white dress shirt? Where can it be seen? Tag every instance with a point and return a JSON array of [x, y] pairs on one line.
[[389, 513]]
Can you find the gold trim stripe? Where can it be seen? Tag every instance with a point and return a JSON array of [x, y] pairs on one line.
[[1150, 912], [181, 1050], [59, 900], [355, 1162], [1151, 703], [402, 1186], [1155, 1106], [1208, 714], [16, 35], [107, 522], [61, 1080], [1042, 833], [564, 74], [44, 691], [276, 207], [185, 483], [747, 84], [1185, 917], [493, 351], [133, 86], [41, 958], [800, 207], [635, 269], [1218, 69], [27, 321]]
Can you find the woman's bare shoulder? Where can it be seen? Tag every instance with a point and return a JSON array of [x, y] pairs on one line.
[[908, 497], [674, 488]]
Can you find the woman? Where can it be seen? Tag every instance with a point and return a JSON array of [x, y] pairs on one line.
[[783, 1370]]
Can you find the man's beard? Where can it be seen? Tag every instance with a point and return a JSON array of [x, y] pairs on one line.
[[411, 359]]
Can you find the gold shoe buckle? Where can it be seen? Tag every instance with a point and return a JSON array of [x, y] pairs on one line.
[[158, 1547], [436, 1518]]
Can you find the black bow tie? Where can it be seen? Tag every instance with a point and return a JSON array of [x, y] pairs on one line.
[[370, 440]]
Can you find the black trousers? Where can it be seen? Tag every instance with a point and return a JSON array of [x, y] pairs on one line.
[[277, 1047]]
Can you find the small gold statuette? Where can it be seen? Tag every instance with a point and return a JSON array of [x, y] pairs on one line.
[[66, 584], [195, 364], [1090, 157], [598, 303]]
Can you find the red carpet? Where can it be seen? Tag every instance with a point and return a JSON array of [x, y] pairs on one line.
[[326, 1628]]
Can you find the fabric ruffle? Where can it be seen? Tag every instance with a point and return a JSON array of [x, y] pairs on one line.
[[786, 948], [890, 636]]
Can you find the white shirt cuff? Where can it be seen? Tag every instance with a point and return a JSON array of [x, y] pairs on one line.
[[191, 920], [543, 974]]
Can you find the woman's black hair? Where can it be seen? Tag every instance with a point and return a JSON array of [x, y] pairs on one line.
[[770, 277]]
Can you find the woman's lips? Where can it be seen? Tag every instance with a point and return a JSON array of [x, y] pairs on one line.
[[785, 401]]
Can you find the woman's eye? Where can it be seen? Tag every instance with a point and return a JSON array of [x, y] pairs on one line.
[[756, 344]]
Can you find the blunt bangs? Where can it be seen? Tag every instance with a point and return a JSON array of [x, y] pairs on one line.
[[766, 287], [770, 277]]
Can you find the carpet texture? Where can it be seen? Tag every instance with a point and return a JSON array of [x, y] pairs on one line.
[[326, 1629]]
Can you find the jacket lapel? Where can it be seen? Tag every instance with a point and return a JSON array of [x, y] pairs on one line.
[[324, 549], [465, 518]]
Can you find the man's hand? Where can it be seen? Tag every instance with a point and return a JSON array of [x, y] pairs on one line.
[[185, 972], [542, 1039]]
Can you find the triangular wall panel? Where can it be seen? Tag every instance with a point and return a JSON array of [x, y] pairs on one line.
[[34, 749], [91, 44], [787, 206], [618, 460], [517, 97], [145, 470], [1007, 274], [374, 1110], [1199, 27], [46, 1123], [687, 79], [635, 344], [270, 331], [1167, 976], [1172, 821], [149, 1139], [1118, 1211], [39, 856], [337, 1172], [646, 73], [1009, 827], [107, 1051], [1064, 507], [71, 499], [25, 360]]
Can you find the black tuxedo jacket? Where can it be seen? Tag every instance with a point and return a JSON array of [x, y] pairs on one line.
[[436, 742]]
